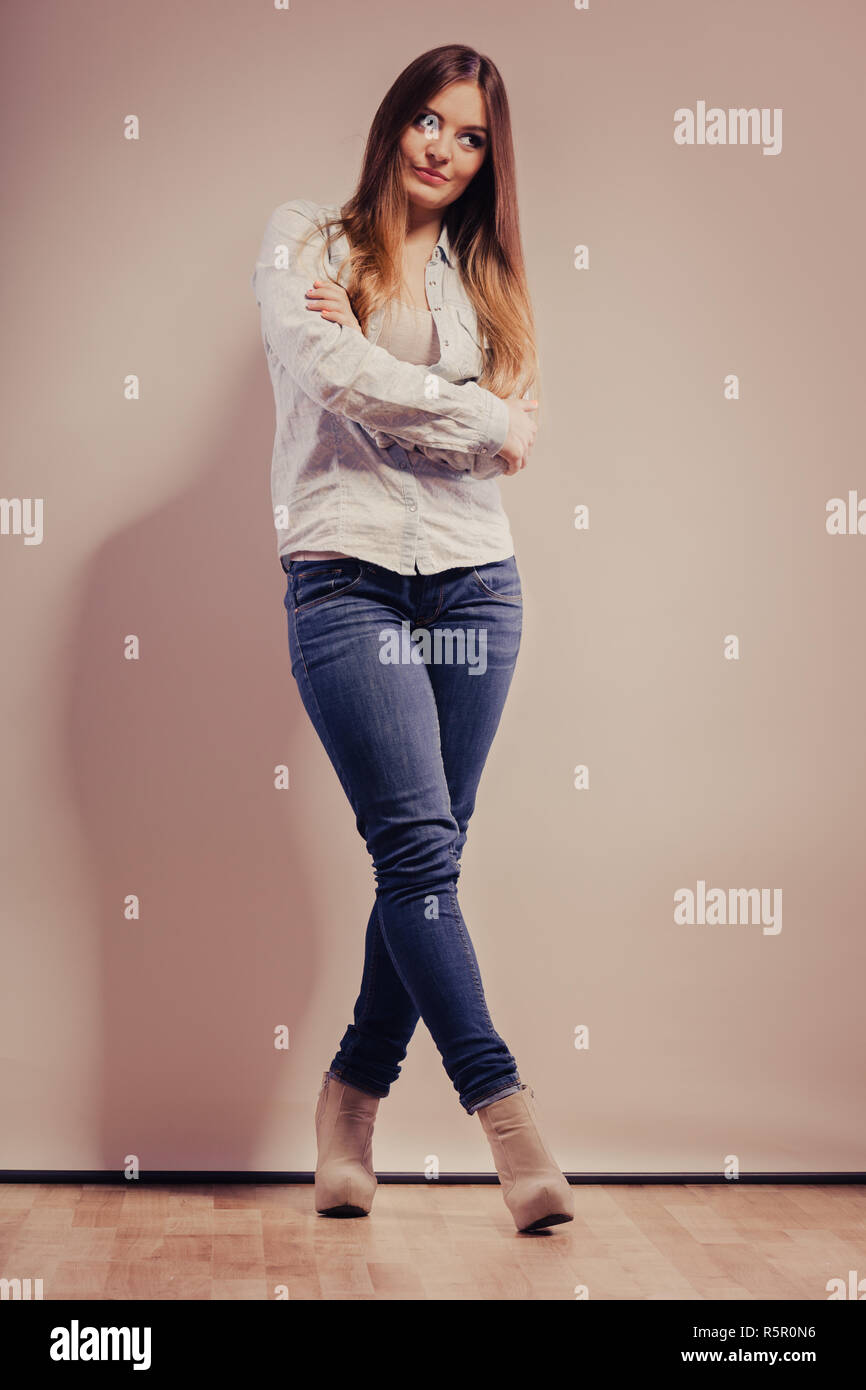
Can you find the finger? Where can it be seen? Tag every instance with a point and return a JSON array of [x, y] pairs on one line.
[[327, 306], [327, 287], [331, 314], [327, 295]]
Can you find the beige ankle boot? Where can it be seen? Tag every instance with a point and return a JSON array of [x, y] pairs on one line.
[[535, 1189], [345, 1181]]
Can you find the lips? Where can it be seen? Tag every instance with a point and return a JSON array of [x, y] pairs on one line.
[[429, 175]]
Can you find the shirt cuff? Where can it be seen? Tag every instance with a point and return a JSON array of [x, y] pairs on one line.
[[498, 424]]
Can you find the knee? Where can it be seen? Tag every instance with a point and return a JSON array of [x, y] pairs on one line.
[[416, 851]]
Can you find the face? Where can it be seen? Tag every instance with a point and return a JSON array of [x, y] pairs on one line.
[[448, 137]]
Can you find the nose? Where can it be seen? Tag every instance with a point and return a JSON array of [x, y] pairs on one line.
[[436, 143], [434, 155]]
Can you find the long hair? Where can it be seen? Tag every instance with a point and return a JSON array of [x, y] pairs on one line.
[[482, 224]]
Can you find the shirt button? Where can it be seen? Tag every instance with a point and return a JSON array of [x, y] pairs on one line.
[[411, 506]]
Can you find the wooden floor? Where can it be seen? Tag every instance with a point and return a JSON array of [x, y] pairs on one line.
[[428, 1242]]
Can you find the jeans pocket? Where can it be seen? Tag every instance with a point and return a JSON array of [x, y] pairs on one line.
[[499, 579], [316, 581]]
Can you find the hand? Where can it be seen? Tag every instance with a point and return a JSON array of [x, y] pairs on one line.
[[332, 302], [521, 434]]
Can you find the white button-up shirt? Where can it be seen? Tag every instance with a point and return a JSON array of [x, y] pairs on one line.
[[382, 459]]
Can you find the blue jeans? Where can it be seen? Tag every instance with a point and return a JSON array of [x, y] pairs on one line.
[[408, 729]]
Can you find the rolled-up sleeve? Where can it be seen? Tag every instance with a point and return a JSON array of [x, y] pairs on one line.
[[475, 465], [478, 465], [345, 373]]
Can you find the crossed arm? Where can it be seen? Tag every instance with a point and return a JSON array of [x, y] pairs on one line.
[[462, 426]]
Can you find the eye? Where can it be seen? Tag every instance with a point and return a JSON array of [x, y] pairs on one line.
[[430, 125]]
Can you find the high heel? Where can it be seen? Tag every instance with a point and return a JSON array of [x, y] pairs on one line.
[[535, 1189], [345, 1182]]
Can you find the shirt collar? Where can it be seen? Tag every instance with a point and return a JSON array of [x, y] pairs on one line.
[[443, 246]]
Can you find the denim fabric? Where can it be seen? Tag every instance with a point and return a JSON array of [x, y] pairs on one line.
[[408, 740], [392, 461]]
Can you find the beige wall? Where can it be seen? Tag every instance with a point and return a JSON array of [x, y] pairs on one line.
[[707, 518]]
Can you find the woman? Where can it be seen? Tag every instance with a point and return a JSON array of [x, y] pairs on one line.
[[403, 595]]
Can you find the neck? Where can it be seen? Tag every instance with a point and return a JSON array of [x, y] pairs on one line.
[[422, 229]]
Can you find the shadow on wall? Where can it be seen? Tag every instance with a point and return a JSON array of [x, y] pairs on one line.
[[171, 760]]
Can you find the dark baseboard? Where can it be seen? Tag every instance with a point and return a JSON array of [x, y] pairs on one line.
[[181, 1176]]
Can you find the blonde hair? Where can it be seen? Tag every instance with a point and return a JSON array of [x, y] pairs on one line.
[[482, 224]]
